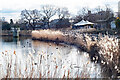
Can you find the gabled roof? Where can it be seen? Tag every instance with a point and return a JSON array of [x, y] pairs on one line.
[[83, 23]]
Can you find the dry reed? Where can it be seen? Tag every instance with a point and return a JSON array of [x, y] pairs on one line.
[[15, 65], [109, 50], [47, 34]]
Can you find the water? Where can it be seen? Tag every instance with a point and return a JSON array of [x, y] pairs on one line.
[[50, 59]]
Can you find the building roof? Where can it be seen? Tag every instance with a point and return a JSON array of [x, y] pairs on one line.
[[83, 23]]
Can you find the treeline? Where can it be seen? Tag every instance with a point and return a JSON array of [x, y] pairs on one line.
[[32, 18], [43, 18], [8, 26]]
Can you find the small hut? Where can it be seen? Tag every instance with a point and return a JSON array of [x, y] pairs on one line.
[[82, 24]]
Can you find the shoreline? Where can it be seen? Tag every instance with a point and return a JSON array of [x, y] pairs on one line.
[[84, 31], [95, 48]]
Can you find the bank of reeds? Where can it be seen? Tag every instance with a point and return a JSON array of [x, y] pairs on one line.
[[58, 36], [47, 34], [110, 53], [71, 37], [41, 65], [107, 47]]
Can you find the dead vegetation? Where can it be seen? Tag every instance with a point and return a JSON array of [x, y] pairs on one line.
[[43, 65], [107, 47], [47, 34]]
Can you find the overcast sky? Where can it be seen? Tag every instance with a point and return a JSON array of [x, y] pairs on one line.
[[12, 8]]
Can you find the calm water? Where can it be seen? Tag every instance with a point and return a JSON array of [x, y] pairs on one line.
[[66, 57]]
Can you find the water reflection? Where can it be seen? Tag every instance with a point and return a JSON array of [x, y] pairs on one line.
[[51, 48], [58, 59]]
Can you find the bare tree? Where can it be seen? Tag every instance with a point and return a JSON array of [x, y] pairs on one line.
[[77, 19], [104, 15], [84, 11], [109, 12], [82, 14], [98, 9], [63, 13], [31, 17], [48, 11], [109, 15]]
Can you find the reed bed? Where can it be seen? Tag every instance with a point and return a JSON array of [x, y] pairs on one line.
[[47, 34], [71, 36], [108, 47], [44, 65], [110, 53], [59, 36]]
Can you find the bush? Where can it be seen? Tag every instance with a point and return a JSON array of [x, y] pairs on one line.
[[117, 22], [6, 26]]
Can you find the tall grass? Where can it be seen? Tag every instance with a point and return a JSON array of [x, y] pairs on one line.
[[44, 65], [47, 34], [110, 53], [53, 35], [71, 36], [108, 46]]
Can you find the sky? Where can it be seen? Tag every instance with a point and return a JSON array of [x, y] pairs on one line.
[[10, 9]]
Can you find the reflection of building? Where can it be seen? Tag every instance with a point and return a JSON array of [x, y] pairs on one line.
[[15, 32]]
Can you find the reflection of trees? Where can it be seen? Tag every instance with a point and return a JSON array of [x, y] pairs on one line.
[[10, 38], [51, 47], [7, 39]]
